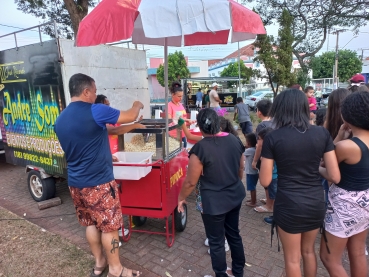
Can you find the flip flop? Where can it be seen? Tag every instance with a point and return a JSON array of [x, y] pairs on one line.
[[250, 205], [263, 200], [97, 268], [262, 209], [229, 269]]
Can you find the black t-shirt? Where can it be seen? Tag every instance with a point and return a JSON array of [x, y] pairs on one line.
[[221, 188], [297, 155]]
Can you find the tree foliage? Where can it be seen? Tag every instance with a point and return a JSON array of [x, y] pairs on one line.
[[177, 67], [313, 19], [348, 65], [276, 55], [67, 14], [232, 71]]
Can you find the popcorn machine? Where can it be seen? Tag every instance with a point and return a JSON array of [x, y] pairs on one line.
[[153, 176]]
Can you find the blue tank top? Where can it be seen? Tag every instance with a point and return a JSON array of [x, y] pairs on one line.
[[355, 177]]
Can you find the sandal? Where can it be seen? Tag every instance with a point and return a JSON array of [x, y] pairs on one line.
[[229, 274], [262, 209], [125, 272], [98, 268], [263, 200]]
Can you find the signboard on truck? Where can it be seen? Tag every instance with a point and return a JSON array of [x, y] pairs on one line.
[[31, 98]]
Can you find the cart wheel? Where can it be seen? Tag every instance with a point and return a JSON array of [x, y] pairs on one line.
[[180, 219], [40, 189], [139, 220]]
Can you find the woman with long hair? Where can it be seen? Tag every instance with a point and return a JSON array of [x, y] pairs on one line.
[[217, 161], [347, 217], [297, 148], [333, 120]]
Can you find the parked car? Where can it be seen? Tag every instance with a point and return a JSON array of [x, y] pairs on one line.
[[254, 98]]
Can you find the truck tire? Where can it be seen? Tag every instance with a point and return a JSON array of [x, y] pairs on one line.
[[40, 189], [138, 220], [180, 219]]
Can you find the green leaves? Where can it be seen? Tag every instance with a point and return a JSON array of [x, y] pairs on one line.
[[232, 71], [177, 67], [348, 65]]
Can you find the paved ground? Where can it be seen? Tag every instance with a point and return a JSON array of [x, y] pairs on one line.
[[149, 253]]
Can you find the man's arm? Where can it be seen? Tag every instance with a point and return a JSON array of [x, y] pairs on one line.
[[131, 114], [120, 130]]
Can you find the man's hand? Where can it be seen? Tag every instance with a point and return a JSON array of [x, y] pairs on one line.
[[138, 104], [140, 118], [140, 126], [115, 159], [254, 165]]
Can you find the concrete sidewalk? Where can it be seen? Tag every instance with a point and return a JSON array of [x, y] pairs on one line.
[[149, 253]]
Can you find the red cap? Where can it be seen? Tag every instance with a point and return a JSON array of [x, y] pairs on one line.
[[358, 78]]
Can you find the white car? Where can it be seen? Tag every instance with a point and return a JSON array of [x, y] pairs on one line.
[[254, 98]]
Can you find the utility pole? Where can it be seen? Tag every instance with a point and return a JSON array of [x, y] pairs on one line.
[[336, 32]]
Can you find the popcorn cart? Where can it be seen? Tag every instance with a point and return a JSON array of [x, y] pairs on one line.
[[150, 172]]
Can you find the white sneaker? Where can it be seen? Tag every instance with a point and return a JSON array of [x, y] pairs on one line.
[[206, 242], [126, 232], [226, 246]]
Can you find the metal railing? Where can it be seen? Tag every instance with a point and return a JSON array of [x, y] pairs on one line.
[[30, 28]]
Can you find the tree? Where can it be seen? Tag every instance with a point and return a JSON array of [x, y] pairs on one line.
[[67, 13], [276, 55], [348, 64], [177, 67], [313, 20], [232, 71]]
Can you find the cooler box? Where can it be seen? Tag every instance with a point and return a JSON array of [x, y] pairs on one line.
[[132, 172]]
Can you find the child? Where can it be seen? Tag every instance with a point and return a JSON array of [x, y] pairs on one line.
[[252, 174], [309, 92], [272, 188], [242, 110], [263, 108], [199, 96]]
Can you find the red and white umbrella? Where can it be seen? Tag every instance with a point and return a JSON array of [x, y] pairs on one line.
[[169, 23], [182, 22]]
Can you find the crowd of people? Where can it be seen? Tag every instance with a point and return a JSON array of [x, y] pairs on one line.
[[314, 171], [313, 164]]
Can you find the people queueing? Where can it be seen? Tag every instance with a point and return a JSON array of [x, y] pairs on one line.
[[81, 130], [221, 194], [297, 148]]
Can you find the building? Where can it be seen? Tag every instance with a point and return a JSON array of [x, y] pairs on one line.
[[157, 92]]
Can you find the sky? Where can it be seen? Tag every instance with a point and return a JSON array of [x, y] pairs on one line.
[[10, 16]]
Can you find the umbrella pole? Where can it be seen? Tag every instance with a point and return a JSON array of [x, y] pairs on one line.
[[166, 99]]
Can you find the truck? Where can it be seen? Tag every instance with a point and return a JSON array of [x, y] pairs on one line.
[[34, 91]]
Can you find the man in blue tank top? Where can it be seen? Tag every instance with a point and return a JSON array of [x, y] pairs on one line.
[[81, 130]]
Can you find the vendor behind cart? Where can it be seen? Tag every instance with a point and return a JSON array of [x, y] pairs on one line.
[[176, 109], [81, 130]]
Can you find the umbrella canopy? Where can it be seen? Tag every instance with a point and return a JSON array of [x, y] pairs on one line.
[[182, 22]]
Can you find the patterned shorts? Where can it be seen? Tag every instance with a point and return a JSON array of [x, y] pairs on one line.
[[98, 206]]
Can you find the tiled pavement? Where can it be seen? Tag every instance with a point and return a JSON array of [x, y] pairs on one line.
[[149, 253]]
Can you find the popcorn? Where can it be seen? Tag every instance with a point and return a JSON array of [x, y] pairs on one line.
[[138, 144]]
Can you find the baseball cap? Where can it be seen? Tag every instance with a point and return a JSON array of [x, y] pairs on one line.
[[357, 78], [214, 84]]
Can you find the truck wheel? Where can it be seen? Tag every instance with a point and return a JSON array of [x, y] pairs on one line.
[[180, 219], [139, 220], [40, 189]]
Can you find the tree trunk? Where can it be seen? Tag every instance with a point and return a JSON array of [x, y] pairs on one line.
[[77, 12]]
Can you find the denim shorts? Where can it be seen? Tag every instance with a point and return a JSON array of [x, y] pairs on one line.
[[246, 127], [272, 189], [251, 181]]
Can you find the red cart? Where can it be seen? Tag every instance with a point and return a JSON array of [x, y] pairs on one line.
[[156, 194]]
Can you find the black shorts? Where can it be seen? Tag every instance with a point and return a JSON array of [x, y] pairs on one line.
[[246, 127]]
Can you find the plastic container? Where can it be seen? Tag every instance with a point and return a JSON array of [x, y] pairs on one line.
[[132, 172], [194, 133]]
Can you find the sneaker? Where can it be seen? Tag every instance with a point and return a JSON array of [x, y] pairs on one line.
[[206, 242], [126, 232], [268, 220], [226, 246]]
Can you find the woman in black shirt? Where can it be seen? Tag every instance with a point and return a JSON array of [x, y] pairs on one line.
[[218, 162], [297, 148]]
